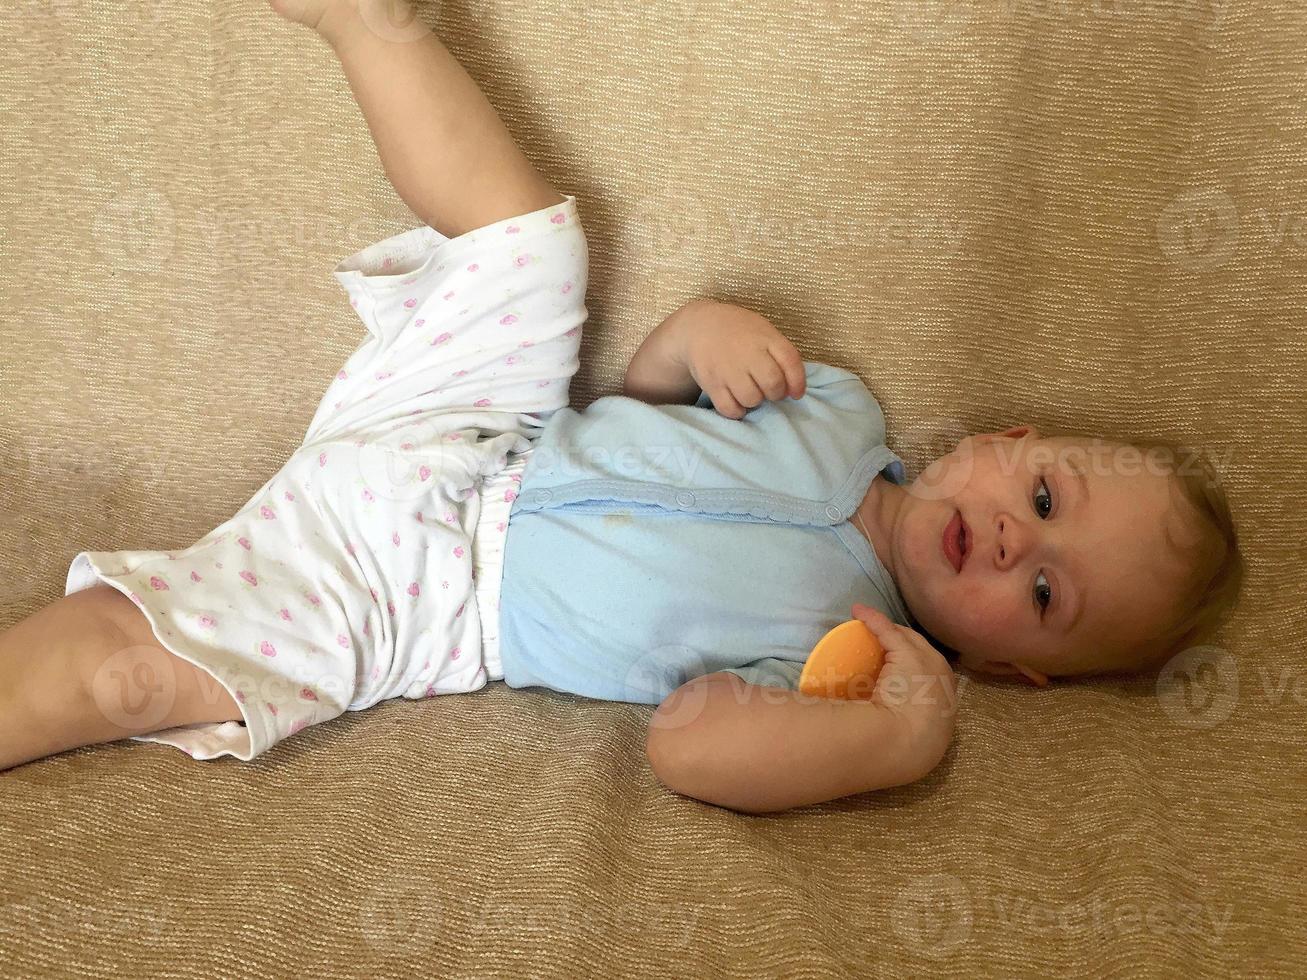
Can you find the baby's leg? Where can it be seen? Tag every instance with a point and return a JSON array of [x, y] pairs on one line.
[[441, 143], [87, 669]]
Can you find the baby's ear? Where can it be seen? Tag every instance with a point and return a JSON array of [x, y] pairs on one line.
[[1034, 676], [1004, 669]]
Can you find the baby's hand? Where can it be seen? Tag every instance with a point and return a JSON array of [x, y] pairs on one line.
[[916, 683], [740, 360]]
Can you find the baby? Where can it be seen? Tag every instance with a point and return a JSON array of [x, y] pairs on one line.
[[449, 520]]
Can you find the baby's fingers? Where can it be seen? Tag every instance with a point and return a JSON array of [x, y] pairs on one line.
[[886, 630], [769, 377], [791, 364], [745, 391], [724, 402]]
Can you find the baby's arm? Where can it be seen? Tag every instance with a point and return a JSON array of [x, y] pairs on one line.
[[760, 749], [441, 143], [734, 354]]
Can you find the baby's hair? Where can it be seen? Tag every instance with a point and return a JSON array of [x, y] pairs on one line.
[[1214, 559]]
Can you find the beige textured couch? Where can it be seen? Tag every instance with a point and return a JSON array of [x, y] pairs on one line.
[[1090, 216]]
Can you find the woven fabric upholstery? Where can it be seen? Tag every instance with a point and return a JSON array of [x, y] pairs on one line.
[[1089, 217]]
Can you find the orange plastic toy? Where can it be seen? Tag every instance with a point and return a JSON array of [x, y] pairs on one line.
[[844, 663]]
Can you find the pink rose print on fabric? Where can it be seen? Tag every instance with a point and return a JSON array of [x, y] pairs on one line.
[[307, 694], [527, 343], [450, 517], [267, 649], [390, 607], [453, 436], [512, 358], [414, 589], [508, 319], [458, 551], [207, 623], [424, 473], [342, 374], [240, 696], [367, 495], [249, 577], [473, 267], [158, 584], [284, 614], [558, 217], [410, 303], [394, 538], [343, 640], [298, 725], [137, 599], [481, 402], [322, 459], [522, 261], [313, 598], [460, 373], [567, 287], [512, 230], [290, 496], [349, 548], [375, 597], [448, 295], [501, 525], [245, 543], [510, 495], [267, 513], [455, 653], [460, 610], [272, 708], [442, 338]]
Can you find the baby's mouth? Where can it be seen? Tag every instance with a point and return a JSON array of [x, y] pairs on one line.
[[956, 541]]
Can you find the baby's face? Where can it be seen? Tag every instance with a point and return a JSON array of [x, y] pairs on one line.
[[1066, 557]]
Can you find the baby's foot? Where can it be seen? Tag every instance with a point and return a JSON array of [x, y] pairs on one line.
[[310, 13]]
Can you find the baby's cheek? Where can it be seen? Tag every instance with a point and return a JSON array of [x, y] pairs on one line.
[[944, 478], [977, 612]]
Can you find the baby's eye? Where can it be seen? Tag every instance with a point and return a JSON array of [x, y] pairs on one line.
[[1043, 592], [1042, 494]]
